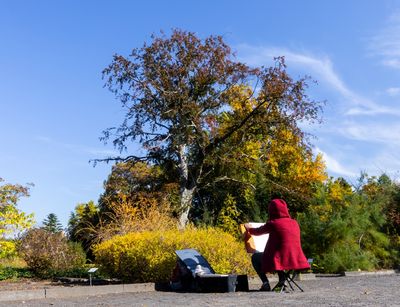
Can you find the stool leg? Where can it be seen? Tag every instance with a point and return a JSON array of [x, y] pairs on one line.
[[288, 281], [291, 280]]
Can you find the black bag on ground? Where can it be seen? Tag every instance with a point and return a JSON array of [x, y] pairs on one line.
[[194, 273]]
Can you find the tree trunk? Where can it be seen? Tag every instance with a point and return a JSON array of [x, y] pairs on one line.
[[186, 203], [187, 187]]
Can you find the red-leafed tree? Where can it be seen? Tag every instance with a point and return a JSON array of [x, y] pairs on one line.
[[175, 90]]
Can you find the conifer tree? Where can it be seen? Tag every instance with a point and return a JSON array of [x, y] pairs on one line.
[[52, 224]]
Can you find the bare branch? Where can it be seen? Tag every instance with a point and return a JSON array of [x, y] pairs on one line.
[[120, 159]]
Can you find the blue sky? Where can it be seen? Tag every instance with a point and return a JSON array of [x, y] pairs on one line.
[[54, 106]]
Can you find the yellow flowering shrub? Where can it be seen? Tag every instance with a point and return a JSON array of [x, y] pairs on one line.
[[7, 249], [149, 256], [229, 215]]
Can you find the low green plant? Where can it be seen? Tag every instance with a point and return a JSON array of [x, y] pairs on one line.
[[348, 258], [150, 256], [7, 273], [73, 272]]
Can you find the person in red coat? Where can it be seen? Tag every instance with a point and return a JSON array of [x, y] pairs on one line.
[[283, 249]]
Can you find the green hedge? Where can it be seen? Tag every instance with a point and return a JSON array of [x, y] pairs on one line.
[[150, 256], [14, 273]]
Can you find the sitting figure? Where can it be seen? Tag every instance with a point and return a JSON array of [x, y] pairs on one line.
[[283, 249]]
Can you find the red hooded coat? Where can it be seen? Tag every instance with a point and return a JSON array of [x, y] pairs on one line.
[[283, 250]]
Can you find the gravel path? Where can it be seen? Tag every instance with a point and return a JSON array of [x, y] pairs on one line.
[[381, 290]]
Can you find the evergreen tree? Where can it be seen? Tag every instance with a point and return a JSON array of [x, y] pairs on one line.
[[52, 224], [345, 228]]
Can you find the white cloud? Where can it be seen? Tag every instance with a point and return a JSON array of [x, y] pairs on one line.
[[386, 133], [393, 91], [43, 139], [77, 148], [372, 110], [386, 43], [322, 67], [100, 152], [387, 162], [377, 136], [393, 63], [335, 166]]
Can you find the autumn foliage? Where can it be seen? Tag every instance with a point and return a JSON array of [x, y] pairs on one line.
[[47, 253], [13, 222], [150, 255], [125, 217], [217, 140], [189, 100]]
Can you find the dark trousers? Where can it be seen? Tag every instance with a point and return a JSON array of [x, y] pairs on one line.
[[256, 260]]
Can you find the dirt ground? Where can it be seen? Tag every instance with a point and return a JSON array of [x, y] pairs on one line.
[[381, 290], [28, 284], [22, 284]]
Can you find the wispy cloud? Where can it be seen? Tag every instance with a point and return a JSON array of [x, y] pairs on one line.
[[386, 43], [322, 68], [388, 162], [43, 139], [77, 148], [335, 166], [393, 91], [379, 132], [320, 65], [359, 118]]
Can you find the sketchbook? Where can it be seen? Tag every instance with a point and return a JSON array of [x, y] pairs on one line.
[[254, 244]]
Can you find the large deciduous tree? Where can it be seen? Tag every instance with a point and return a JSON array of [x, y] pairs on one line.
[[12, 220], [176, 88]]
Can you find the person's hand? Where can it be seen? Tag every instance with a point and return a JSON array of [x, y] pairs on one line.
[[246, 234]]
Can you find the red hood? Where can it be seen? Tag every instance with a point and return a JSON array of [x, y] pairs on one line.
[[277, 209]]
